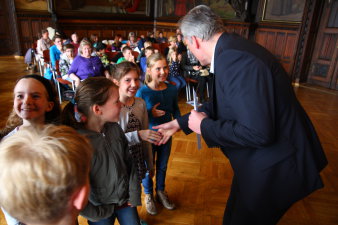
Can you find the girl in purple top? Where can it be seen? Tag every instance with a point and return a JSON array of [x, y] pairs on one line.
[[85, 65]]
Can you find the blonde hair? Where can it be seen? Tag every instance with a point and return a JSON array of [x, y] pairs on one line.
[[147, 44], [172, 39], [150, 63], [171, 51], [82, 44], [40, 170]]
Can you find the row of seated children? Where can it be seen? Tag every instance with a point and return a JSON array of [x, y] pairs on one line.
[[95, 114]]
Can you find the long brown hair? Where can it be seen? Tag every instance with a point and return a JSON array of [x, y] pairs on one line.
[[120, 70], [52, 116], [91, 91]]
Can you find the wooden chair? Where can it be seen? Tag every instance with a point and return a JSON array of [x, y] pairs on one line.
[[163, 46], [46, 60], [156, 46], [135, 54]]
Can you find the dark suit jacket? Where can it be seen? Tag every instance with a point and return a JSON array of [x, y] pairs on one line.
[[256, 120]]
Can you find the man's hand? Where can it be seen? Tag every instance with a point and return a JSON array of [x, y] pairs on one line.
[[195, 120], [150, 136], [156, 112], [167, 130]]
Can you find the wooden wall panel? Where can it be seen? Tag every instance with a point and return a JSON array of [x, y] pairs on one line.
[[241, 29], [106, 29], [281, 43], [30, 26]]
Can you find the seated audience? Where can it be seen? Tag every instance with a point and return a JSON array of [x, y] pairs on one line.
[[172, 45], [143, 61], [180, 44], [118, 55], [100, 52], [132, 42], [44, 175], [174, 70], [146, 44], [140, 42], [150, 37], [75, 42], [161, 38], [127, 55], [85, 65], [54, 54], [94, 39], [43, 43], [66, 60], [195, 72], [116, 46]]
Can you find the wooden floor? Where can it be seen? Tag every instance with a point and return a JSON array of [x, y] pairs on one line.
[[199, 181]]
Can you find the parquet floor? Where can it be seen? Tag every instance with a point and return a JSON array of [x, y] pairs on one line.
[[199, 181]]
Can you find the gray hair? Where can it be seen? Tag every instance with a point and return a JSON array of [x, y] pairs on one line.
[[82, 44], [201, 22]]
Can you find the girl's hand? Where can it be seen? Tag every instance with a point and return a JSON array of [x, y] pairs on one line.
[[150, 136], [157, 112], [167, 130]]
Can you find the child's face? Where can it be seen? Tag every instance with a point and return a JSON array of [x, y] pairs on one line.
[[45, 35], [147, 44], [75, 38], [159, 71], [69, 52], [173, 55], [172, 43], [111, 109], [31, 101], [148, 53], [129, 84], [127, 54], [58, 42]]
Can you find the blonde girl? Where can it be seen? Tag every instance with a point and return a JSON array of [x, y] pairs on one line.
[[115, 190], [174, 70], [35, 103], [161, 103]]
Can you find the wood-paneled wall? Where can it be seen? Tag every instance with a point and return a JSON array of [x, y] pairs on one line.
[[281, 42], [105, 29], [30, 26]]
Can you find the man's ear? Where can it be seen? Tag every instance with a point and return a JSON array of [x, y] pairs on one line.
[[195, 42], [80, 197], [96, 109], [116, 82]]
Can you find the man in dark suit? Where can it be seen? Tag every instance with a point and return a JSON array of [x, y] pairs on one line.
[[254, 117]]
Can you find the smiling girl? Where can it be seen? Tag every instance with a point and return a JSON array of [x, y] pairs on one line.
[[115, 190], [35, 103], [161, 103]]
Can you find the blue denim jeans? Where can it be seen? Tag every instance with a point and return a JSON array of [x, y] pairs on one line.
[[162, 152], [179, 81], [125, 216]]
